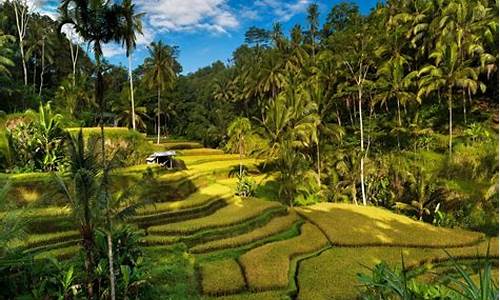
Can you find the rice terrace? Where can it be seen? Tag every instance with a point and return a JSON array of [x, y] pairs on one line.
[[249, 149]]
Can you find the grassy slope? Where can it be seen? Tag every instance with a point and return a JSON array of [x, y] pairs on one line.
[[349, 225], [267, 253]]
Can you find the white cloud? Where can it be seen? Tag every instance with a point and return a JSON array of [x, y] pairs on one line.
[[284, 10], [181, 15], [112, 49]]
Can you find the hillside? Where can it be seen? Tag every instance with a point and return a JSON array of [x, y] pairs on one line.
[[252, 248]]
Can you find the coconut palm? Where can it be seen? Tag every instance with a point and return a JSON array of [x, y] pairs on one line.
[[126, 116], [447, 73], [160, 73], [97, 22], [238, 131], [5, 53], [132, 27], [83, 195]]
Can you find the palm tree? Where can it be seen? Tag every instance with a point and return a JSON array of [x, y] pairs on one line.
[[97, 22], [22, 13], [446, 73], [125, 116], [160, 72], [132, 27], [83, 195], [463, 22], [5, 53], [238, 131]]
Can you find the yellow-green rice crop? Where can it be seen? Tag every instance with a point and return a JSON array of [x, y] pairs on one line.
[[275, 226], [237, 211], [332, 275], [200, 151], [267, 267], [221, 277], [203, 196], [350, 225], [269, 295]]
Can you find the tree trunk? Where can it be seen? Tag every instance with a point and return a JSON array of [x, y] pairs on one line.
[[100, 99], [360, 95], [450, 110], [240, 150], [353, 193], [131, 82], [43, 67], [399, 123], [465, 106], [88, 244], [74, 59], [34, 72], [21, 24], [158, 122], [318, 159], [111, 264]]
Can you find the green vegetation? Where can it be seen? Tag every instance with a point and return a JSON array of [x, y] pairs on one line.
[[352, 156], [268, 266], [221, 277], [377, 227]]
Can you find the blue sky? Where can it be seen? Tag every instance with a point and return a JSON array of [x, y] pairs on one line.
[[208, 30]]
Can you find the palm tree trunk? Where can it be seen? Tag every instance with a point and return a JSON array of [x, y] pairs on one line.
[[88, 244], [399, 123], [465, 106], [111, 264], [318, 159], [158, 122], [100, 99], [362, 167], [34, 71], [43, 67], [353, 193], [450, 110], [131, 82], [240, 150]]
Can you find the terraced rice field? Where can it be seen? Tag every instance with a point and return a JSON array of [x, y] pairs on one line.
[[255, 249]]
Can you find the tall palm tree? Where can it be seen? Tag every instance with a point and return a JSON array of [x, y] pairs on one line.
[[97, 22], [132, 27], [447, 73], [238, 131], [160, 73], [5, 53], [82, 193]]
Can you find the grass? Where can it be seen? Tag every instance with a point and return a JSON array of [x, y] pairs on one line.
[[270, 295], [236, 212], [199, 198], [59, 253], [267, 267], [218, 233], [332, 274], [37, 240], [221, 277], [349, 225], [199, 159], [199, 151], [275, 226]]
